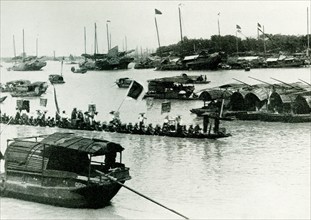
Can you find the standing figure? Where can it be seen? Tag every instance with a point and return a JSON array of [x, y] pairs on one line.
[[141, 120], [205, 122]]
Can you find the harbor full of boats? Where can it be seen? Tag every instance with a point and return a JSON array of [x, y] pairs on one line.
[[188, 158]]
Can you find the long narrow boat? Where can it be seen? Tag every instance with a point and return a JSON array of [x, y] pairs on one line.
[[63, 170]]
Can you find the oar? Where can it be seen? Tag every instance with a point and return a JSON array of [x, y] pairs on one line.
[[138, 193], [305, 82], [6, 125]]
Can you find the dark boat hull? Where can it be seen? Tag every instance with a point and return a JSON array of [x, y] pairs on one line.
[[29, 66], [26, 94], [271, 117], [94, 196]]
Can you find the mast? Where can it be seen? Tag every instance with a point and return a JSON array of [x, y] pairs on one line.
[[107, 27], [95, 40], [110, 41], [156, 24], [180, 26], [218, 24], [61, 67], [237, 46], [37, 47], [84, 40], [125, 43], [23, 45], [264, 40], [14, 46], [308, 31]]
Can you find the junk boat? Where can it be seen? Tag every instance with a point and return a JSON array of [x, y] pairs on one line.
[[63, 169], [56, 79], [168, 88], [124, 82], [30, 90]]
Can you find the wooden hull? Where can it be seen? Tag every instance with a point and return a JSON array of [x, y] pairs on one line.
[[94, 196], [169, 95], [271, 117], [26, 94]]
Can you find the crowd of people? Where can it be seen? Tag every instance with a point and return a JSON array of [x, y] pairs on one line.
[[88, 121]]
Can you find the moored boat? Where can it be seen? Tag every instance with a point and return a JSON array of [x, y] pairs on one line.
[[63, 170], [29, 65], [79, 70], [124, 82], [56, 79], [168, 89], [30, 90]]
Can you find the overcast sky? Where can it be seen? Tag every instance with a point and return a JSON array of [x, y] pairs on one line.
[[59, 25]]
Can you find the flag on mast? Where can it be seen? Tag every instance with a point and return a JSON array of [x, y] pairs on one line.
[[135, 90], [157, 12], [238, 28]]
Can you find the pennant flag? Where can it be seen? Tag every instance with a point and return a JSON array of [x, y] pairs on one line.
[[238, 27], [56, 103], [43, 102], [157, 12], [258, 25], [166, 107], [135, 90]]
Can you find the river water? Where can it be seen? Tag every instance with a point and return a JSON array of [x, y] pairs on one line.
[[261, 172]]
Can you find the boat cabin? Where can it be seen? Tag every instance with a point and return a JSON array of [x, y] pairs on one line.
[[59, 157]]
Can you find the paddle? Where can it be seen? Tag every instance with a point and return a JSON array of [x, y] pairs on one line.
[[6, 125], [115, 180]]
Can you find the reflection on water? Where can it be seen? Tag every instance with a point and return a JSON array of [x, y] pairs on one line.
[[262, 171]]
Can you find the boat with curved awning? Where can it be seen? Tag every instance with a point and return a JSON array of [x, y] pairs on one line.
[[63, 169]]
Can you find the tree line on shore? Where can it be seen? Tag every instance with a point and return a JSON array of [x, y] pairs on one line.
[[232, 45]]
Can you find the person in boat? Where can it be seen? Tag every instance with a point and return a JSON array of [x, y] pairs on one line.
[[179, 127], [197, 129], [24, 117], [216, 125], [115, 118], [165, 126], [110, 160], [150, 129], [141, 120], [80, 120], [87, 120], [200, 78], [129, 127], [64, 119], [205, 122], [74, 117], [136, 128], [190, 129], [157, 129], [17, 115]]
